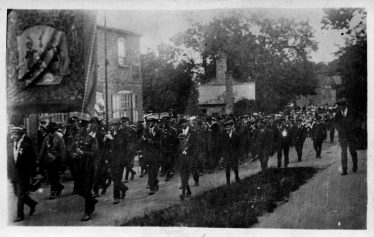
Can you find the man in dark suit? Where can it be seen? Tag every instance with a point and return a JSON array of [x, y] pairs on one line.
[[299, 135], [318, 135], [169, 142], [213, 152], [263, 138], [187, 155], [282, 135], [53, 154], [348, 126], [152, 139], [21, 167], [231, 145], [84, 150], [118, 145]]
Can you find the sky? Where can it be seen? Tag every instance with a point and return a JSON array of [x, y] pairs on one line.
[[158, 26]]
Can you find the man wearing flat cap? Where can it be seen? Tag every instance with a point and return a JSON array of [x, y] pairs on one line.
[[52, 154], [21, 167], [318, 135], [348, 126]]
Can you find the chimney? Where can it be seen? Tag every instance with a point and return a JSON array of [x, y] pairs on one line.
[[221, 68], [229, 98]]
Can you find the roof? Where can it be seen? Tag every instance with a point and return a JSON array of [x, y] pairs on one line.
[[119, 31]]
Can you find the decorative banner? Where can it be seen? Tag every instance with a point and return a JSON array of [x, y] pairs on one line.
[[51, 61], [43, 55]]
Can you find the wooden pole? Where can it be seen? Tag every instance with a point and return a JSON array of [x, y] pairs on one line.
[[106, 74]]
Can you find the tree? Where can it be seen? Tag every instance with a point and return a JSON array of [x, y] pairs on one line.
[[352, 57], [273, 52], [166, 85]]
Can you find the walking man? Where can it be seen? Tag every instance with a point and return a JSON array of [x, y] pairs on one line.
[[318, 135], [231, 144], [84, 150], [348, 126], [21, 167], [52, 154]]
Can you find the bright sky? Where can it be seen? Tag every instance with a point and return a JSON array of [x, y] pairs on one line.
[[157, 26]]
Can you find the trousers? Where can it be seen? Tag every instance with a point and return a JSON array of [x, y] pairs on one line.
[[317, 144], [285, 148], [346, 143], [299, 150], [21, 192]]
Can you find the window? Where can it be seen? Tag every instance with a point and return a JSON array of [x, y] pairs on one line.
[[121, 45], [125, 101], [122, 104]]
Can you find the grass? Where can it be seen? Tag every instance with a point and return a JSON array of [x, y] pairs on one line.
[[237, 206]]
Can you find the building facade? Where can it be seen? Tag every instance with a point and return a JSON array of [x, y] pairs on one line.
[[125, 95]]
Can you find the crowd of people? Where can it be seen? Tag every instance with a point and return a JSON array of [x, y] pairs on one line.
[[97, 155]]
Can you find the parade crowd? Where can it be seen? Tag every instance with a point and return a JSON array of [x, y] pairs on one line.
[[98, 156]]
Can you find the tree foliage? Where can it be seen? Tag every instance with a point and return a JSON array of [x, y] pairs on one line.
[[352, 57], [166, 85], [274, 52]]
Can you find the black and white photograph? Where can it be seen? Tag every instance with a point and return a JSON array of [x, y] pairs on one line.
[[235, 116]]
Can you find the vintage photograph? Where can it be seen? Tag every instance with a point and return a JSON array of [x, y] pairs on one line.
[[222, 118]]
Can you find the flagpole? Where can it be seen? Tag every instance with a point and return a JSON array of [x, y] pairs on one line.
[[106, 74]]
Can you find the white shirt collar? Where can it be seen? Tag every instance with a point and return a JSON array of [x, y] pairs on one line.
[[185, 131], [92, 134], [16, 148]]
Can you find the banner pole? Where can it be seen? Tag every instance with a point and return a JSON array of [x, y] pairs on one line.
[[106, 74]]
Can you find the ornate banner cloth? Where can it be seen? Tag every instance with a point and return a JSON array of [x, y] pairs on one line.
[[51, 61]]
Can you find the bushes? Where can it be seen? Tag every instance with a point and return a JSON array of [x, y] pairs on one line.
[[237, 206]]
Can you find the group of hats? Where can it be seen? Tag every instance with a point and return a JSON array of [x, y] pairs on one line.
[[16, 129]]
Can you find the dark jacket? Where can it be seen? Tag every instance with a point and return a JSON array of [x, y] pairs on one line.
[[299, 135], [54, 144], [348, 126], [319, 131], [169, 140], [264, 140], [230, 147], [24, 168], [281, 140], [118, 147], [188, 150]]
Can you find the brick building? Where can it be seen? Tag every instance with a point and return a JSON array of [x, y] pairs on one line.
[[125, 96]]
